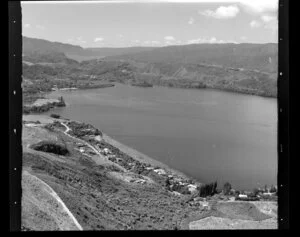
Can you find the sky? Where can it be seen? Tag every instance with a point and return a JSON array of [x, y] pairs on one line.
[[128, 23]]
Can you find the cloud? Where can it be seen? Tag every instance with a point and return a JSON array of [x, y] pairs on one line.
[[98, 39], [151, 42], [222, 12], [269, 22], [191, 21], [76, 41], [155, 42], [212, 40], [268, 18], [27, 25], [243, 38], [135, 41], [255, 24], [169, 38], [259, 6], [40, 27]]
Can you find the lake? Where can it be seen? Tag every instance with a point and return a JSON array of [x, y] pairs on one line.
[[207, 134]]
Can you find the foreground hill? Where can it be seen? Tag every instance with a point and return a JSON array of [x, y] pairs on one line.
[[75, 177]]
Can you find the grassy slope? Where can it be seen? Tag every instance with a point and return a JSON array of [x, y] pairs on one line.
[[101, 200], [97, 199]]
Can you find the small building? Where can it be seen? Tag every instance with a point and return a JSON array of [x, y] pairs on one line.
[[106, 151], [192, 188], [82, 149], [160, 171], [243, 196]]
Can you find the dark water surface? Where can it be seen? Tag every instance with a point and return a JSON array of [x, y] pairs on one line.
[[207, 134]]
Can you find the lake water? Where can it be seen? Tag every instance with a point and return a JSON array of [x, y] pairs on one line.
[[207, 134]]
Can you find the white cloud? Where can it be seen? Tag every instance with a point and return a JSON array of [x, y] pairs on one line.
[[269, 22], [76, 41], [243, 38], [191, 21], [27, 25], [268, 18], [169, 38], [259, 6], [151, 42], [98, 39], [135, 41], [255, 24], [40, 27], [155, 42], [212, 40], [222, 12]]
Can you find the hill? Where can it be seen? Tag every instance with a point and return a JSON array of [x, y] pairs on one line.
[[40, 46], [100, 184], [244, 68], [262, 57]]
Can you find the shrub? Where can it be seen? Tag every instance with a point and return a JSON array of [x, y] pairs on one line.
[[50, 147], [55, 116], [226, 188], [273, 189], [255, 191]]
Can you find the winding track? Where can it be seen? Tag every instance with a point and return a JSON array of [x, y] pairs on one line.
[[103, 158], [86, 143]]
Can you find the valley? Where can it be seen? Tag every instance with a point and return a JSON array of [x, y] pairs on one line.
[[76, 177]]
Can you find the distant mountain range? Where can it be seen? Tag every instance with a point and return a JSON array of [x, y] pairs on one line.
[[244, 68], [262, 57], [32, 45]]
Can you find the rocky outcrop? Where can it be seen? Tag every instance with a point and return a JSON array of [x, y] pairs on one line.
[[43, 105]]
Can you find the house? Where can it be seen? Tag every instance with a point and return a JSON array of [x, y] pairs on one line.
[[82, 149], [192, 188], [160, 171], [106, 151], [243, 196]]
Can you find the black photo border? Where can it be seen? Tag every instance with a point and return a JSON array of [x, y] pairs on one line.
[[15, 115]]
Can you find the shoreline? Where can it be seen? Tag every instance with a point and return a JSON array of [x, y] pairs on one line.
[[131, 152], [135, 154], [139, 156]]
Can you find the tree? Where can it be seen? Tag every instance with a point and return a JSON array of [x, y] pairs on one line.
[[226, 188], [255, 191]]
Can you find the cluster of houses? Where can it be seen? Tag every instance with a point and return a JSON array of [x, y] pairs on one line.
[[85, 150], [175, 184]]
